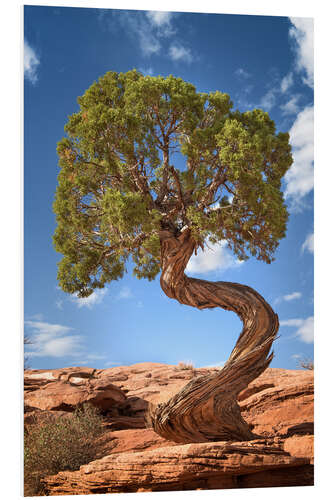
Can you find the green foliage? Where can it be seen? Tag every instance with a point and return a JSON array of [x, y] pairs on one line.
[[63, 443], [118, 186]]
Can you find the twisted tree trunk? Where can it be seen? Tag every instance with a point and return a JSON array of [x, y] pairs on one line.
[[206, 409]]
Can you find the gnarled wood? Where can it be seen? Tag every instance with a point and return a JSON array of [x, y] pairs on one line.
[[206, 409]]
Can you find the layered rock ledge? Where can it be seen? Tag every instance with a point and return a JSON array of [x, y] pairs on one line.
[[278, 406], [186, 467]]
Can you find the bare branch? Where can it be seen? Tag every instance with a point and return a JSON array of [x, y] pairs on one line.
[[179, 188], [219, 178]]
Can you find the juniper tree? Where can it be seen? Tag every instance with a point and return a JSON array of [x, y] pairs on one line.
[[151, 170]]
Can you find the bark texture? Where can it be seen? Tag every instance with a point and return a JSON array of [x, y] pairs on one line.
[[206, 409]]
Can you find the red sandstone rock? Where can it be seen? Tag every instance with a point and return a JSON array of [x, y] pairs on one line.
[[132, 440], [278, 405], [65, 390], [181, 467], [279, 402], [300, 446]]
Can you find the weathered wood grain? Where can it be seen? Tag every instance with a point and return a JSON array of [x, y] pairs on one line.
[[206, 409]]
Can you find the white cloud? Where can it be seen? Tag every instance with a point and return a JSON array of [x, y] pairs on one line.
[[286, 82], [57, 341], [149, 44], [215, 258], [145, 28], [147, 71], [308, 244], [302, 33], [109, 364], [31, 63], [299, 178], [138, 27], [242, 73], [36, 317], [268, 101], [306, 331], [52, 340], [296, 356], [291, 107], [88, 358], [58, 304], [291, 322], [160, 19], [125, 293], [292, 296], [95, 298], [179, 53], [305, 328], [288, 297], [62, 346]]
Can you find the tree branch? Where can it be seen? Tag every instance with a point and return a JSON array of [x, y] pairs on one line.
[[179, 188]]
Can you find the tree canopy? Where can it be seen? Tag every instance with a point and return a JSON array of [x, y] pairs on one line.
[[146, 153]]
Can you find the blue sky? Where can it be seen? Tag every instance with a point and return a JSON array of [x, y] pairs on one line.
[[260, 61]]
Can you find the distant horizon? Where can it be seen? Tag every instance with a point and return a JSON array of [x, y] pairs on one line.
[[148, 362]]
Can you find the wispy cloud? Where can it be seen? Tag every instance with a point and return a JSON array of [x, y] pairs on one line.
[[305, 328], [36, 317], [178, 52], [110, 364], [242, 73], [89, 358], [52, 339], [291, 107], [151, 32], [147, 71], [299, 178], [308, 243], [125, 293], [57, 341], [216, 257], [161, 21], [31, 63], [278, 94], [286, 82], [140, 27], [301, 36], [59, 304], [268, 101], [292, 296], [146, 29], [288, 297], [302, 33], [95, 298]]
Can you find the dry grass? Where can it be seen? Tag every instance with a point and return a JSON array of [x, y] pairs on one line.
[[185, 365]]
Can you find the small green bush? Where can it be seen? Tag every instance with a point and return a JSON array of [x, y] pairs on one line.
[[62, 443]]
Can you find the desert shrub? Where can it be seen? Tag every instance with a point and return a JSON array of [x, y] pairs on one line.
[[185, 365], [59, 443]]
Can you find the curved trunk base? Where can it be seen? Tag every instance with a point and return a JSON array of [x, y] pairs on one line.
[[206, 409]]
